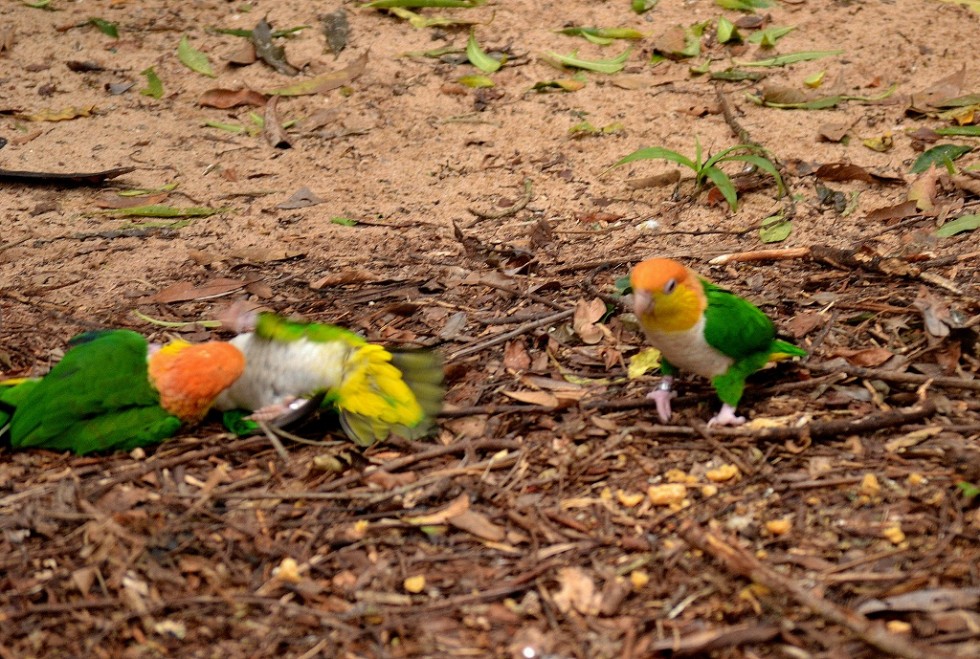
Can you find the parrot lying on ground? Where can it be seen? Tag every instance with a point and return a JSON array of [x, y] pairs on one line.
[[375, 391], [702, 328], [112, 391]]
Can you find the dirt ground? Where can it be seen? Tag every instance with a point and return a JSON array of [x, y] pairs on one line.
[[550, 515]]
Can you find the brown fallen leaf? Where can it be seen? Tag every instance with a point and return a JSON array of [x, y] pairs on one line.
[[923, 189], [478, 524], [896, 212], [598, 216], [656, 181], [243, 55], [843, 171], [326, 81], [274, 133], [58, 178], [456, 507], [671, 42], [516, 357], [804, 323], [265, 254], [867, 357], [936, 314], [930, 98], [185, 291], [587, 314], [834, 132], [967, 183], [542, 398], [229, 98], [348, 276], [64, 114]]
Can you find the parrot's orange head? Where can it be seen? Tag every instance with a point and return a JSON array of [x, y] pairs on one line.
[[189, 377], [667, 296]]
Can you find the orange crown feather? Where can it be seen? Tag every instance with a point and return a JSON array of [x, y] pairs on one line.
[[189, 377]]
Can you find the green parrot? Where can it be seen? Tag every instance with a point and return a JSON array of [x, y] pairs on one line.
[[375, 391], [113, 391], [702, 328]]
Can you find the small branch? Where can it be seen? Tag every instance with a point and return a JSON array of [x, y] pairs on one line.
[[896, 376], [501, 338], [504, 212], [741, 562], [762, 255]]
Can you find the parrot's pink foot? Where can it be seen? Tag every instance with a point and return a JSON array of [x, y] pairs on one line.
[[726, 417], [274, 411], [662, 395]]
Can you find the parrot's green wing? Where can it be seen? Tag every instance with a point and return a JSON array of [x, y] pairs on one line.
[[739, 329], [98, 397], [12, 392], [735, 326], [273, 327]]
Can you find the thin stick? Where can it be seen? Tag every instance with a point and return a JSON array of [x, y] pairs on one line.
[[504, 212], [762, 255], [896, 376], [739, 561], [501, 338], [270, 434]]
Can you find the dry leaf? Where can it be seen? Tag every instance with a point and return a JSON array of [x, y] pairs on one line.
[[896, 212], [115, 201], [185, 291], [802, 324], [834, 132], [576, 591], [274, 133], [229, 98], [65, 114], [542, 398], [868, 357], [264, 254], [923, 189], [478, 524], [843, 171], [302, 198], [587, 314], [456, 507], [516, 357], [348, 276], [935, 313]]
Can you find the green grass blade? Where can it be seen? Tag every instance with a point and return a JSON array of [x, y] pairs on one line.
[[657, 153], [478, 57], [763, 164], [724, 185], [613, 65], [792, 58]]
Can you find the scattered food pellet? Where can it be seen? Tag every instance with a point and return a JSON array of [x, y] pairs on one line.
[[639, 579], [894, 534], [708, 491], [287, 571], [898, 627], [916, 478], [679, 476], [870, 486], [722, 473], [665, 495], [629, 499], [415, 584], [779, 526]]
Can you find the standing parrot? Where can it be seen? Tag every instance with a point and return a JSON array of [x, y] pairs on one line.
[[375, 391], [702, 328], [112, 391]]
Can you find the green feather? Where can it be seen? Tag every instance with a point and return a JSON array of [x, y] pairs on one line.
[[276, 328], [739, 329], [98, 397]]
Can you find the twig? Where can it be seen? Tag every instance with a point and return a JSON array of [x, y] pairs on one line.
[[726, 111], [762, 255], [896, 376], [270, 434], [844, 427], [501, 338], [739, 561], [504, 212], [531, 296]]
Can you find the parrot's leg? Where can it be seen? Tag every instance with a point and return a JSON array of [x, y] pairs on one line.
[[662, 395], [726, 417], [275, 410]]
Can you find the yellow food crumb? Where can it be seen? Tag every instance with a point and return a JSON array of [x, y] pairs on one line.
[[708, 491], [629, 499], [665, 495], [415, 584], [287, 571], [679, 476], [916, 478], [779, 526], [722, 473], [870, 486], [894, 534], [898, 627], [639, 579]]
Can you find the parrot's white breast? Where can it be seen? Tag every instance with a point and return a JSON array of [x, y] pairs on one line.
[[280, 370], [688, 351]]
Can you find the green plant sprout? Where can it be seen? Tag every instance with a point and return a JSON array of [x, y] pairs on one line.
[[705, 170]]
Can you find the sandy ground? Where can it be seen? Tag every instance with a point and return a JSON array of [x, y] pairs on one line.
[[155, 561]]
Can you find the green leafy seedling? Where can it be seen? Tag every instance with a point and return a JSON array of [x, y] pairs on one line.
[[707, 169]]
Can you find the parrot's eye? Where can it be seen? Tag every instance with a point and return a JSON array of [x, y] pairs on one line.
[[670, 286]]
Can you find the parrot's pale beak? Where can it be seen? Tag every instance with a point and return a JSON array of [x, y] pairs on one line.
[[642, 302]]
